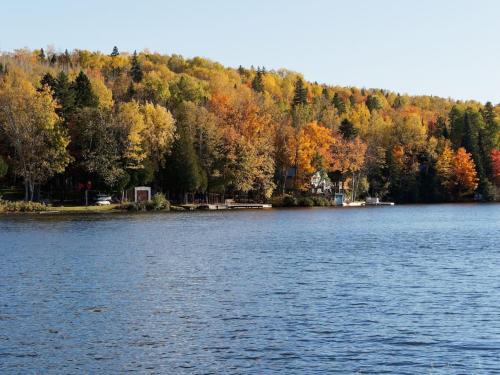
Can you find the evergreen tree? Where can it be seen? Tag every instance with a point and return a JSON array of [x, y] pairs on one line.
[[65, 95], [456, 121], [441, 129], [41, 55], [257, 83], [339, 104], [135, 69], [183, 171], [348, 130], [470, 140], [398, 102], [488, 136], [66, 60], [325, 94], [373, 103], [300, 96], [48, 80], [115, 52], [84, 95], [62, 93], [53, 60]]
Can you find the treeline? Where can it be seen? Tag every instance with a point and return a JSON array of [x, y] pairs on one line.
[[76, 120]]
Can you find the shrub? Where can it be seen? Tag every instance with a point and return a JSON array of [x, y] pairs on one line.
[[22, 206], [289, 201], [133, 206], [159, 202], [321, 201], [305, 202]]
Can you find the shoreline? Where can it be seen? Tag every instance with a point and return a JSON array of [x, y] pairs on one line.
[[114, 209]]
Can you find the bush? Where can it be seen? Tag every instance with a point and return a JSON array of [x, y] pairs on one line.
[[321, 201], [133, 206], [305, 202], [159, 202], [21, 206], [289, 201]]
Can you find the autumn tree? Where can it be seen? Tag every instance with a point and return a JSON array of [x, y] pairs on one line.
[[157, 134], [130, 121], [457, 172], [314, 153], [98, 142], [29, 122], [465, 176]]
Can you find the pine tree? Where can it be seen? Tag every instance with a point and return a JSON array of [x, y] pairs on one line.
[[48, 80], [339, 104], [41, 55], [325, 94], [53, 60], [65, 95], [257, 83], [456, 121], [348, 130], [135, 69], [183, 171], [84, 95], [470, 140], [300, 96], [115, 52], [66, 60], [487, 137], [373, 103]]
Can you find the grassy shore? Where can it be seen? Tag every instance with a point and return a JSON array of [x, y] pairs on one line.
[[84, 209]]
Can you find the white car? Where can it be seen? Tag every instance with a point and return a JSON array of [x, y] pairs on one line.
[[103, 200]]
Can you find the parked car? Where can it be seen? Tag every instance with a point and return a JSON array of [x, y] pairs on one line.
[[103, 200]]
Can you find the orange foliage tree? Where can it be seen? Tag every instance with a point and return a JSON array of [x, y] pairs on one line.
[[314, 152]]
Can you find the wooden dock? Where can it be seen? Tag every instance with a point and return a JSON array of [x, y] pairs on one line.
[[233, 206]]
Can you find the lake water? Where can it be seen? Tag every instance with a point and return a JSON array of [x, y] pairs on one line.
[[404, 290]]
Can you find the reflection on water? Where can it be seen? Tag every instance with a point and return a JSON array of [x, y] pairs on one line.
[[405, 289]]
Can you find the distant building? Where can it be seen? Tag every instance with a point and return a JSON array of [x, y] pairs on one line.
[[139, 194], [321, 184]]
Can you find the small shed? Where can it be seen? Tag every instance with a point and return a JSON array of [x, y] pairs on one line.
[[139, 194], [339, 199]]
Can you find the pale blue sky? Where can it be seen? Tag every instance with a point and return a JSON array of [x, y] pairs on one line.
[[449, 48]]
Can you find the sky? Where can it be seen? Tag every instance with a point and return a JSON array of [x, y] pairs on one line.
[[447, 48]]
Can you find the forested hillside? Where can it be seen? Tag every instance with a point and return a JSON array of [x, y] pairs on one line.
[[80, 119]]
